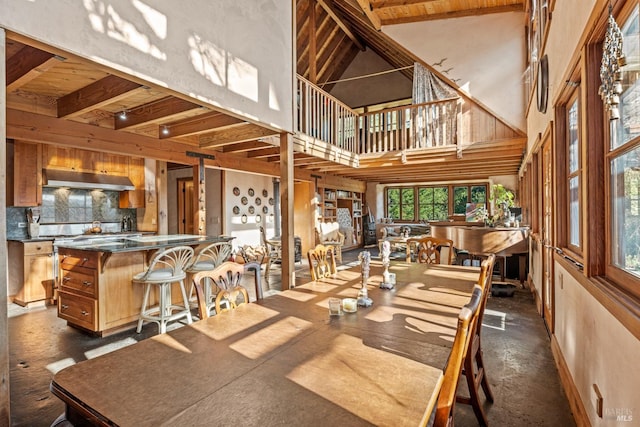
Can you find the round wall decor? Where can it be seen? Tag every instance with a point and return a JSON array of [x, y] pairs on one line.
[[251, 192], [236, 191], [244, 200], [265, 210], [258, 218], [252, 210], [271, 201], [244, 218], [258, 201], [265, 193], [236, 210], [542, 87]]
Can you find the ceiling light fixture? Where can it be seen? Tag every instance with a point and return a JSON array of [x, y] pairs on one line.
[[165, 130], [123, 115]]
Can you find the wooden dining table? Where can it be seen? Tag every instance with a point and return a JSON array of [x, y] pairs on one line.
[[284, 360]]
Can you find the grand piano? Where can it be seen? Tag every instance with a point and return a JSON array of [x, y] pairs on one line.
[[477, 239]]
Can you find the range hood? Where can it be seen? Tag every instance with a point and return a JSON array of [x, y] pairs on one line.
[[85, 180]]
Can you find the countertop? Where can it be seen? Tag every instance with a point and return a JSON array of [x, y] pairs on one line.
[[143, 243]]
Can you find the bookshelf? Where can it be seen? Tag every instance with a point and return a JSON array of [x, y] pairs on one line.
[[334, 198]]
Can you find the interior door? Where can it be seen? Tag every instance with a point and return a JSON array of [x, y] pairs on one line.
[[185, 206], [547, 235]]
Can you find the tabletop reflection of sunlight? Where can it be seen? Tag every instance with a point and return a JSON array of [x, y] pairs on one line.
[[271, 337], [59, 365], [298, 296], [369, 382], [234, 321], [171, 342]]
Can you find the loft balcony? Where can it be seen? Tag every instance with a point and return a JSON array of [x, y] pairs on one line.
[[451, 129]]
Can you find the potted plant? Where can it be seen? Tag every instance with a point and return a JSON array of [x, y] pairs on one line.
[[502, 199]]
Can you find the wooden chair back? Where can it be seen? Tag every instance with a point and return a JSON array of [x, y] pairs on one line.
[[473, 364], [322, 262], [211, 256], [429, 250], [227, 281], [447, 396]]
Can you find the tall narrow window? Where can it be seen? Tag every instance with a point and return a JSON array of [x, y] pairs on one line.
[[407, 200], [460, 200], [393, 203], [574, 169], [624, 166]]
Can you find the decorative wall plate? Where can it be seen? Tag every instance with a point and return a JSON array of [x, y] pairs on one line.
[[244, 200], [265, 210], [258, 201], [251, 192], [271, 201], [251, 210], [258, 218], [236, 191], [265, 193], [244, 218], [236, 210]]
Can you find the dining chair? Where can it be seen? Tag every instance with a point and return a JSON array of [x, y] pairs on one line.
[[447, 396], [429, 250], [167, 267], [227, 279], [322, 262], [207, 258], [274, 247], [473, 366]]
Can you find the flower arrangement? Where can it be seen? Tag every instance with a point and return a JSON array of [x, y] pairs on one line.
[[502, 199]]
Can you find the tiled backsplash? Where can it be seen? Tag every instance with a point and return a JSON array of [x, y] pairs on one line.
[[61, 205]]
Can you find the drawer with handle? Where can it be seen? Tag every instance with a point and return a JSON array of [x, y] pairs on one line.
[[79, 279], [79, 310], [70, 258]]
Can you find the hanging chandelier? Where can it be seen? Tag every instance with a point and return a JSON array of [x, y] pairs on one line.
[[610, 69]]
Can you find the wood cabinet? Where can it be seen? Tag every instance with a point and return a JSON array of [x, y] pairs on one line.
[[135, 198], [334, 201], [96, 293], [79, 160], [31, 272], [24, 174]]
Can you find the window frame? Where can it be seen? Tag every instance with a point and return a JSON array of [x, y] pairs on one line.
[[450, 202]]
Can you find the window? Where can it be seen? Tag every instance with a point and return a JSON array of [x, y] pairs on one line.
[[574, 169], [432, 203], [401, 203], [623, 160]]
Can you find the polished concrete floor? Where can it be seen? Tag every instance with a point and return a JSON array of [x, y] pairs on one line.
[[517, 353]]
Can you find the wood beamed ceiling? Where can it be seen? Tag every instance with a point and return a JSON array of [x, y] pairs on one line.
[[60, 88]]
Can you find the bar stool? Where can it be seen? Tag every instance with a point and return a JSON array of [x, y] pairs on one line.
[[207, 259], [167, 267]]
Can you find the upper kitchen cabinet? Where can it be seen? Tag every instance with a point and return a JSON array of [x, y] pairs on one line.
[[134, 198], [24, 174], [112, 164], [79, 160]]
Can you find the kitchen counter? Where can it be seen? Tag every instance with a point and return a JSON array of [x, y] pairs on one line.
[[96, 293], [114, 244]]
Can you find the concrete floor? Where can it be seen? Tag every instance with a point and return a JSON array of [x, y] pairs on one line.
[[520, 367]]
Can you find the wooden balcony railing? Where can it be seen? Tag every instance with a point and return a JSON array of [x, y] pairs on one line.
[[418, 126]]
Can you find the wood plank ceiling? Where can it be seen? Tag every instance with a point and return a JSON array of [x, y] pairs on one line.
[[44, 82]]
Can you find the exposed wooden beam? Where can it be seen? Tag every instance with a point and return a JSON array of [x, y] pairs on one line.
[[313, 76], [335, 15], [200, 124], [455, 14], [244, 146], [28, 64], [245, 132], [265, 152], [154, 112], [365, 5], [395, 3], [98, 94]]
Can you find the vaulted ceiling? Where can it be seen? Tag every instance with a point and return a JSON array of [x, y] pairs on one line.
[[50, 92]]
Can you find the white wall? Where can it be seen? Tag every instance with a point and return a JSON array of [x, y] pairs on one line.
[[213, 202], [485, 54], [247, 233], [235, 54], [598, 350]]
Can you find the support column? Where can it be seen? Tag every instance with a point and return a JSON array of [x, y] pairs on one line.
[[286, 205], [199, 197], [5, 414]]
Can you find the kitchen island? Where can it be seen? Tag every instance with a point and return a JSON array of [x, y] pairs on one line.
[[95, 292]]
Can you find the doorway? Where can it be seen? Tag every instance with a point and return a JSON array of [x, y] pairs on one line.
[[185, 206]]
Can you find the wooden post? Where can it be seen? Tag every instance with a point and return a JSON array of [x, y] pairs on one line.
[[5, 414], [286, 206], [199, 197]]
